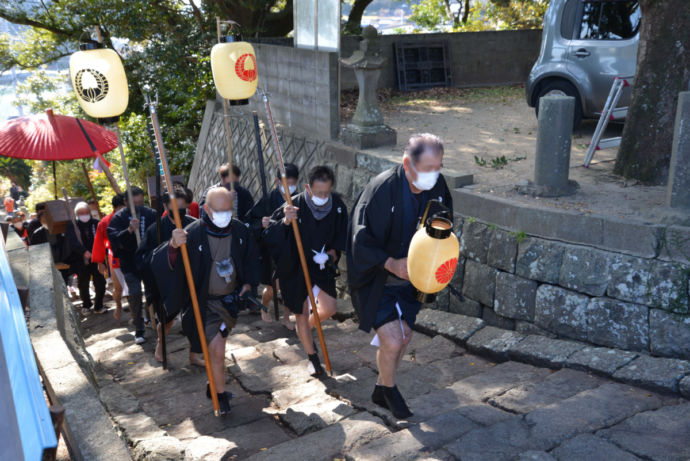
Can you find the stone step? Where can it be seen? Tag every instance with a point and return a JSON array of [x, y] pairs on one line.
[[329, 443], [546, 428], [659, 434]]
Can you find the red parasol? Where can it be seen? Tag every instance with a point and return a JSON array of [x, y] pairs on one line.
[[53, 137]]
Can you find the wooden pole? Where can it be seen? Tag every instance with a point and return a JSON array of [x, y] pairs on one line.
[[125, 173], [227, 131], [93, 192], [298, 237], [185, 260]]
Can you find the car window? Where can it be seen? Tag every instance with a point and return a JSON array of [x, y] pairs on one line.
[[613, 20], [569, 20]]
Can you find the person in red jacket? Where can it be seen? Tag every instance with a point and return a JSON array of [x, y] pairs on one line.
[[101, 251]]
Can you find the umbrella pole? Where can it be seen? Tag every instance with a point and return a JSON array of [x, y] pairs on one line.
[[54, 182], [93, 192], [101, 160], [185, 259], [132, 209]]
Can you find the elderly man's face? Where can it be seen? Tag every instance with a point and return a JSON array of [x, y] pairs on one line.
[[83, 212], [426, 162], [218, 200]]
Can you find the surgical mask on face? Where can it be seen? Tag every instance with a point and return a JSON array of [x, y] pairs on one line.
[[292, 188], [221, 219], [425, 181], [318, 201], [84, 217]]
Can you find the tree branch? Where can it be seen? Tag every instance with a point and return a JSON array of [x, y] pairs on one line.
[[25, 21]]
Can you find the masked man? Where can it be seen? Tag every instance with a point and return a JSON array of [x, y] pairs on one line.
[[123, 243], [81, 245], [322, 219], [224, 261], [383, 222], [151, 240], [258, 218]]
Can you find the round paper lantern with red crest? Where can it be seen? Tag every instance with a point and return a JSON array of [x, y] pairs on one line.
[[235, 75], [432, 257]]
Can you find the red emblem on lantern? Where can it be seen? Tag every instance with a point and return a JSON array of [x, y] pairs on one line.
[[446, 270], [248, 75]]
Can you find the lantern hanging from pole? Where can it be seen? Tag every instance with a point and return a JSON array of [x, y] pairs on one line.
[[432, 257], [99, 81], [235, 75]]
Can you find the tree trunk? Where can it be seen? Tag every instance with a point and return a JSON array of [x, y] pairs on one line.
[[354, 20], [663, 70], [466, 12]]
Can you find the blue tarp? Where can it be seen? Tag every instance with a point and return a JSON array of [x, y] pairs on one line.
[[26, 429]]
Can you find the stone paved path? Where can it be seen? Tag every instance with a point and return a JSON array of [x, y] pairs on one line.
[[466, 407]]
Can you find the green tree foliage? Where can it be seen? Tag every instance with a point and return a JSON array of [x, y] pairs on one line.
[[16, 170], [472, 15]]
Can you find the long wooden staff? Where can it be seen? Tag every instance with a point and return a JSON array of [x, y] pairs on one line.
[[185, 257], [125, 173], [298, 237], [226, 119], [267, 210]]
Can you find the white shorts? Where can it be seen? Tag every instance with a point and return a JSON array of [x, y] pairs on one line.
[[121, 278]]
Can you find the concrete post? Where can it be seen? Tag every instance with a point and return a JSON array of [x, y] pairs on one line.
[[552, 160], [678, 191]]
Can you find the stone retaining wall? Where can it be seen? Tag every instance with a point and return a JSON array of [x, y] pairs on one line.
[[519, 281]]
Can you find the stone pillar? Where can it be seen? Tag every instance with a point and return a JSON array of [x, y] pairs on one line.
[[678, 192], [367, 128], [552, 160]]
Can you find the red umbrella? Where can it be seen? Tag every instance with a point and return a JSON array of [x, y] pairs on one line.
[[53, 137]]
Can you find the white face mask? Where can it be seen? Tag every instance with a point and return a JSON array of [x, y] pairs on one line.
[[318, 201], [425, 181], [221, 219], [84, 217], [292, 188]]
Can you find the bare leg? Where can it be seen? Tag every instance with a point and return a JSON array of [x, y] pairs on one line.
[[326, 306], [304, 329], [158, 354], [117, 295], [391, 347], [217, 353], [285, 320], [266, 298], [196, 360], [406, 341]]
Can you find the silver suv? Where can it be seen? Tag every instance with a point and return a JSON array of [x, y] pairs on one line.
[[585, 45]]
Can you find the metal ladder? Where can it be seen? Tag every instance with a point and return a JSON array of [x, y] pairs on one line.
[[610, 112]]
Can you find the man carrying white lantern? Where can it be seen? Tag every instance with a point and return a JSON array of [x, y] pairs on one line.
[[384, 220]]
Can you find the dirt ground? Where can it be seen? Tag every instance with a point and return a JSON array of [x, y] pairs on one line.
[[490, 123]]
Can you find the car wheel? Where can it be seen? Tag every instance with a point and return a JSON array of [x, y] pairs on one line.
[[562, 88]]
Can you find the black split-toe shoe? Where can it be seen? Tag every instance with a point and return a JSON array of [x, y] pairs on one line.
[[314, 367], [392, 399]]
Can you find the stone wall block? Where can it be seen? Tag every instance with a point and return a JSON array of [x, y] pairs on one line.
[[614, 323], [562, 312], [474, 242], [480, 282], [502, 250], [515, 297], [540, 260], [585, 270]]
